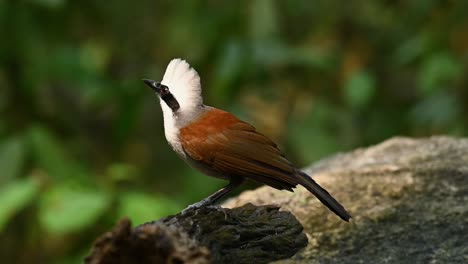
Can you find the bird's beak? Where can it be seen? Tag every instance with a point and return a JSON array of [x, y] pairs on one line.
[[153, 85]]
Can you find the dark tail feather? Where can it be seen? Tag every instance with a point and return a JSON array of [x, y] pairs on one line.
[[323, 196]]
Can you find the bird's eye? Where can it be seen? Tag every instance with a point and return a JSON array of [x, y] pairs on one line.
[[164, 89]]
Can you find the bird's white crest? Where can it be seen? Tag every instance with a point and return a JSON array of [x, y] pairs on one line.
[[184, 84]]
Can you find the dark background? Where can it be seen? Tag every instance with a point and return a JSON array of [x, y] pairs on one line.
[[81, 137]]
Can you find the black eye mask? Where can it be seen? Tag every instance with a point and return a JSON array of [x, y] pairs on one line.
[[167, 96]]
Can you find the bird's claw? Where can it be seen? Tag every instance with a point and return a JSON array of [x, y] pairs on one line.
[[198, 205], [194, 206]]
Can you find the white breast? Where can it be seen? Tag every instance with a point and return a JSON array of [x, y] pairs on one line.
[[171, 131]]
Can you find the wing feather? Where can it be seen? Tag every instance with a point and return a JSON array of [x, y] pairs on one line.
[[239, 150]]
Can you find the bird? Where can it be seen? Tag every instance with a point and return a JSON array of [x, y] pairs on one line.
[[220, 145]]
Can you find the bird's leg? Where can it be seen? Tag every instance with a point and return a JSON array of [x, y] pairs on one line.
[[210, 200]]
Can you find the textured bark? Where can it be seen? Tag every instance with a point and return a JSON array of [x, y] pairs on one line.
[[206, 235], [149, 243]]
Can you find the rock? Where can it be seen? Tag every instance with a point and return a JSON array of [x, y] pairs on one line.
[[408, 199], [205, 235]]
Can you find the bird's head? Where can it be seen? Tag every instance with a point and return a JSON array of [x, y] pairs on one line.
[[179, 91]]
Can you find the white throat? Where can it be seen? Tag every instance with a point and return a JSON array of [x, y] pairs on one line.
[[184, 84]]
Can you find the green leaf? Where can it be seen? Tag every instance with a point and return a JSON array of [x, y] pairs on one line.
[[311, 135], [437, 72], [197, 186], [359, 89], [51, 3], [65, 209], [264, 21], [49, 155], [3, 127], [438, 110], [411, 49], [141, 207], [122, 172], [5, 91], [12, 159], [15, 196], [94, 57], [227, 72]]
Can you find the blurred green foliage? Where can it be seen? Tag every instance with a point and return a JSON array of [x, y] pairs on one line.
[[81, 137]]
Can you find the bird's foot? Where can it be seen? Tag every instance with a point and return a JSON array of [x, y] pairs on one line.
[[198, 205], [203, 203]]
